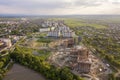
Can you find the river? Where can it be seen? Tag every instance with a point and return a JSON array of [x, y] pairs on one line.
[[19, 72]]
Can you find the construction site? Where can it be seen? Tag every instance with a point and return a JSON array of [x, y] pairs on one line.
[[79, 59]]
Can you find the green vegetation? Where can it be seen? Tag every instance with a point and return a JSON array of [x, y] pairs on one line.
[[105, 49], [41, 35], [15, 32], [38, 64], [111, 76], [44, 40], [3, 63], [78, 23], [3, 25], [44, 54]]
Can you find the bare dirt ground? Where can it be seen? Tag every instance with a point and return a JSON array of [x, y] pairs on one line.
[[19, 72]]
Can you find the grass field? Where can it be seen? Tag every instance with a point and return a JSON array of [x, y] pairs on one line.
[[79, 23]]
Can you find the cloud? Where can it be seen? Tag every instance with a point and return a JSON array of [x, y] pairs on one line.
[[49, 4], [46, 4], [88, 3], [59, 6], [114, 2]]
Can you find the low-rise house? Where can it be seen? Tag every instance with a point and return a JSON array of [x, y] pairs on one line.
[[7, 42]]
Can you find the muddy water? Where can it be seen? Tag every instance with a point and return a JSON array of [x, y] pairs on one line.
[[19, 72]]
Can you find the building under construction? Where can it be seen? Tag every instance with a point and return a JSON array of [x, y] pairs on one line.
[[79, 60], [68, 43]]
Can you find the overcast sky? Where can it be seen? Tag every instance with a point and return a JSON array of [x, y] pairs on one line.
[[59, 7]]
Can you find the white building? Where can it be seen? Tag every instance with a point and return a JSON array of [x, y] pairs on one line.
[[53, 34], [63, 31]]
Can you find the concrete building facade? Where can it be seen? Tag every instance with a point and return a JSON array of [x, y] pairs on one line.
[[80, 62]]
